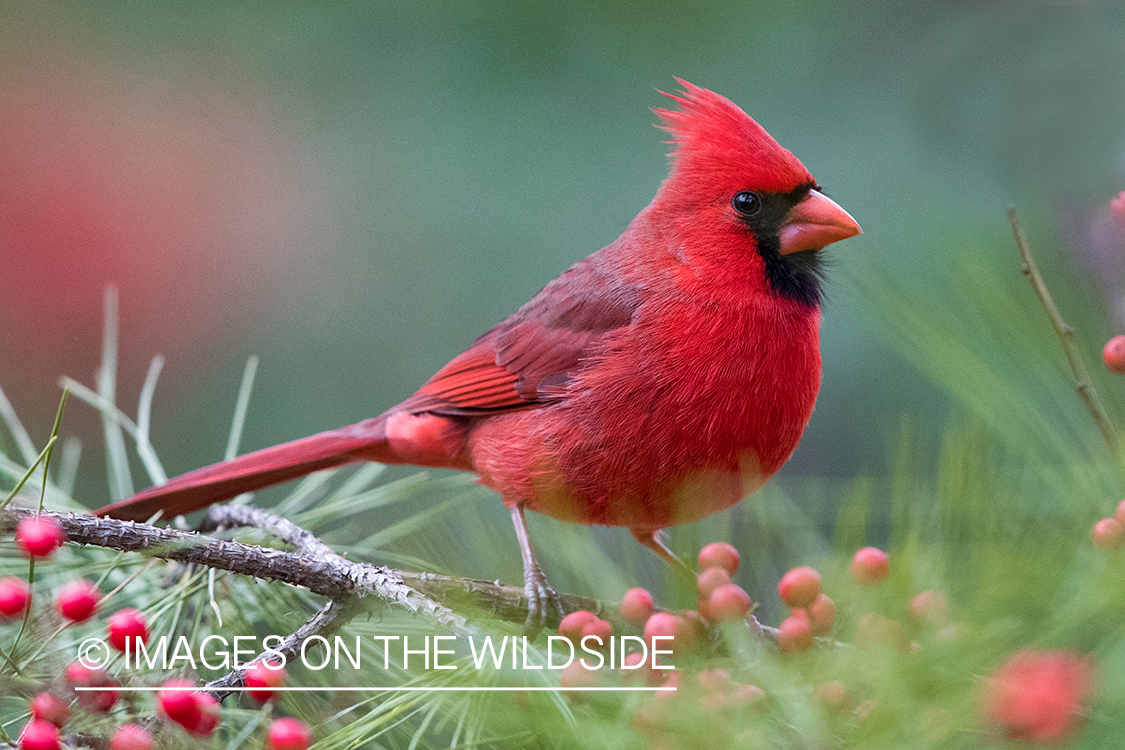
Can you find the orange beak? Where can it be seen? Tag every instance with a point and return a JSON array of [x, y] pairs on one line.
[[814, 223]]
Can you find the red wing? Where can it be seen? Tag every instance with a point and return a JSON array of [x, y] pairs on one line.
[[528, 359]]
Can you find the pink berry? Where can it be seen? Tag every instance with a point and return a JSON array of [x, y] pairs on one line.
[[125, 627], [822, 615], [77, 600], [48, 707], [666, 624], [14, 598], [264, 675], [929, 606], [1040, 696], [39, 536], [728, 603], [1108, 534], [131, 737], [598, 632], [795, 634], [179, 703], [571, 625], [39, 735], [799, 587], [208, 716], [719, 555], [636, 606], [1120, 514], [96, 701], [709, 580], [1114, 355], [288, 734], [870, 566]]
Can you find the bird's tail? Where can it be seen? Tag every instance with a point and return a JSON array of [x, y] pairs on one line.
[[197, 489]]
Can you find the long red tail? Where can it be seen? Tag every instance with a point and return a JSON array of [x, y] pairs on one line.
[[197, 489]]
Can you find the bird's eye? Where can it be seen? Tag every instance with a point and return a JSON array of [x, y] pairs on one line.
[[747, 203]]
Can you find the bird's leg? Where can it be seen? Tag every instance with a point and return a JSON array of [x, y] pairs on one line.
[[540, 595], [654, 540]]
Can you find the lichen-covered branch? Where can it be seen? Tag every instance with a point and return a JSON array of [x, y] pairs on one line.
[[320, 570]]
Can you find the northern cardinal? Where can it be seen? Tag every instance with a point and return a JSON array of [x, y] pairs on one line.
[[657, 381]]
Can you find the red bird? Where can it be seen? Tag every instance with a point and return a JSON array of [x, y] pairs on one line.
[[657, 381]]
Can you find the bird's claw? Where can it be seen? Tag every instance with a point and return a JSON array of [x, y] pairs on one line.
[[542, 602]]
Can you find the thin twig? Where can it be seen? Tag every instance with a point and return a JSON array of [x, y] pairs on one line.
[[229, 516], [329, 619], [1082, 382]]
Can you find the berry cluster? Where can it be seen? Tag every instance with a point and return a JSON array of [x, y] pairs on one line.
[[180, 701]]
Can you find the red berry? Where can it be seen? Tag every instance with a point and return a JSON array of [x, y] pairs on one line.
[[1039, 696], [14, 598], [870, 566], [208, 716], [665, 624], [264, 675], [636, 607], [179, 703], [719, 555], [795, 634], [77, 600], [728, 603], [799, 587], [124, 626], [39, 536], [1120, 514], [288, 734], [598, 631], [929, 606], [97, 701], [571, 625], [822, 615], [1108, 534], [48, 707], [39, 735], [709, 580], [131, 737], [77, 673], [1114, 355]]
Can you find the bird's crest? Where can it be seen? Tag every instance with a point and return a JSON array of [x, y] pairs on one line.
[[711, 134]]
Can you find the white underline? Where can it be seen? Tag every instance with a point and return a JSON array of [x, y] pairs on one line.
[[405, 689]]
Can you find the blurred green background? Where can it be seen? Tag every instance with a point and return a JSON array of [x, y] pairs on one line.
[[353, 191]]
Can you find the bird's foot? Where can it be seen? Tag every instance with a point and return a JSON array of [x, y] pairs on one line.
[[544, 604]]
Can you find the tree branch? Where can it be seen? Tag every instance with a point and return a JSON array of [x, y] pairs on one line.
[[1082, 382], [327, 574]]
